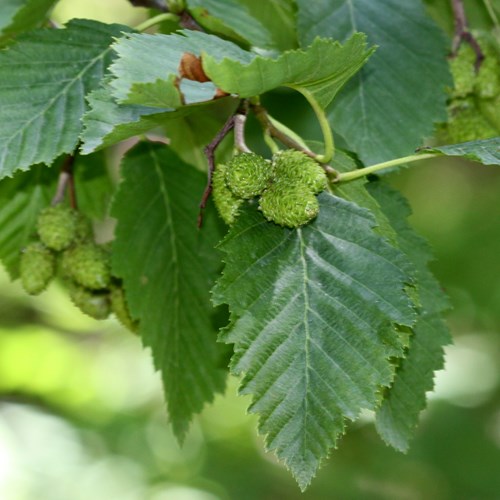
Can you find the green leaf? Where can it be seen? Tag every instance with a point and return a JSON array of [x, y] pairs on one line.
[[486, 151], [93, 185], [278, 17], [148, 65], [168, 266], [107, 122], [231, 18], [21, 198], [398, 415], [320, 70], [41, 117], [309, 310], [21, 15], [393, 102]]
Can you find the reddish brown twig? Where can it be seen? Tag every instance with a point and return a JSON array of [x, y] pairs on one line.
[[462, 33], [209, 151]]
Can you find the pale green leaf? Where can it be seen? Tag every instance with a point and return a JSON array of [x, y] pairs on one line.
[[43, 82], [231, 18], [107, 122], [320, 70], [399, 413], [309, 310], [21, 198], [148, 65], [167, 266], [486, 151], [386, 110], [21, 15]]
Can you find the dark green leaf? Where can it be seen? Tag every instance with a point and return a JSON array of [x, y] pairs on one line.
[[21, 15], [168, 266], [486, 151], [231, 18], [393, 102], [43, 82], [309, 310], [398, 415]]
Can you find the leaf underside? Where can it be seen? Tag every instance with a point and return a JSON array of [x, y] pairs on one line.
[[486, 151], [167, 267], [310, 309]]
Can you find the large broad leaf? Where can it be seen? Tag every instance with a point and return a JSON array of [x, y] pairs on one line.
[[21, 199], [147, 68], [22, 15], [391, 105], [230, 17], [403, 402], [43, 82], [309, 310], [168, 266], [320, 70], [486, 151]]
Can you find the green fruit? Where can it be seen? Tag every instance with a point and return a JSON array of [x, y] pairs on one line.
[[120, 308], [56, 226], [294, 168], [225, 201], [93, 303], [83, 227], [289, 206], [248, 174], [37, 268], [462, 71], [88, 264]]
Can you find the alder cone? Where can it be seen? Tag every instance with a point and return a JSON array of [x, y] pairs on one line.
[[248, 174], [56, 227], [226, 202], [95, 304], [37, 268], [289, 206], [88, 265], [120, 308]]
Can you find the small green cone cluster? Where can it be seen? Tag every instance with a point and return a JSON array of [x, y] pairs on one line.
[[37, 268], [290, 200], [66, 247], [225, 200], [286, 186], [247, 175], [475, 97]]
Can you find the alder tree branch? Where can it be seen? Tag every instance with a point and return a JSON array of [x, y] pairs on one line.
[[66, 183], [209, 151], [240, 120], [462, 33]]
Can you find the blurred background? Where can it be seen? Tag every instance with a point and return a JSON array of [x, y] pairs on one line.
[[81, 410]]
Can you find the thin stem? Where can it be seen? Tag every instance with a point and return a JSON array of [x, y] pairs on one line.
[[66, 183], [356, 174], [278, 130], [462, 33], [325, 127], [167, 16], [210, 154], [239, 132]]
